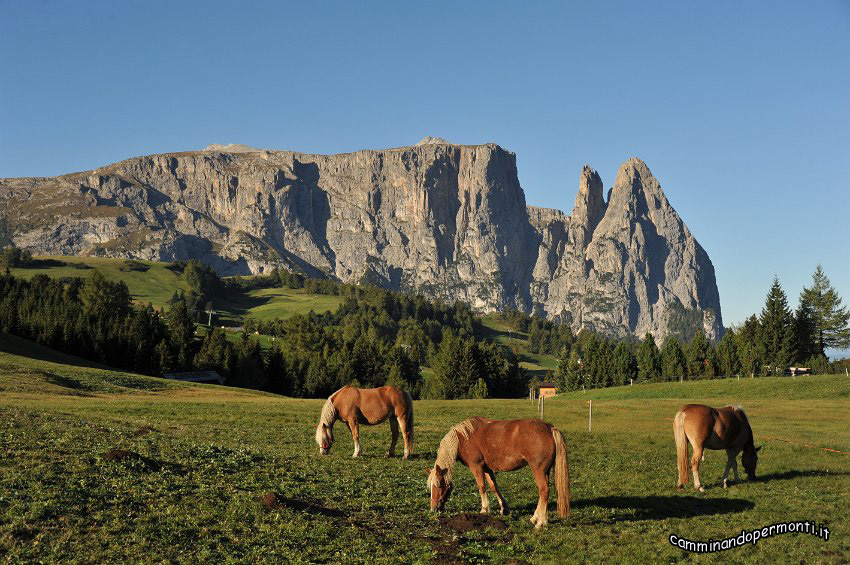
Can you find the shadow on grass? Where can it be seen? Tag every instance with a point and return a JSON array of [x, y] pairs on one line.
[[789, 475], [635, 508], [276, 501]]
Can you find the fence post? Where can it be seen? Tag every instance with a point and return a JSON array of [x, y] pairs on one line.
[[542, 405], [590, 416]]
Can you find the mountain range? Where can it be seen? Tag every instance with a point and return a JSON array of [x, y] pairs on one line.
[[447, 220]]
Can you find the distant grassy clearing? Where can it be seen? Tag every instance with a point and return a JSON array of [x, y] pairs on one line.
[[156, 285], [205, 453]]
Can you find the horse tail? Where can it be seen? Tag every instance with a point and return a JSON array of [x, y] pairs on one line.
[[562, 473], [408, 416], [681, 446]]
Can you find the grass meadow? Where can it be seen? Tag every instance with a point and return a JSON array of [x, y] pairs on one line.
[[158, 283], [104, 466]]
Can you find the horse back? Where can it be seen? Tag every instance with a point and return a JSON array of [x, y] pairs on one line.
[[715, 428], [368, 405], [507, 445]]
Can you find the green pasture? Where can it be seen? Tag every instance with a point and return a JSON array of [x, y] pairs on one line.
[[156, 285], [103, 466]]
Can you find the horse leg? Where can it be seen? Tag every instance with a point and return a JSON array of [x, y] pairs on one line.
[[408, 447], [733, 460], [695, 459], [728, 466], [491, 480], [394, 430], [478, 473], [541, 515], [355, 435]]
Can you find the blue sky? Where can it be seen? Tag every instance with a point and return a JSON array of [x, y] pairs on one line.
[[740, 109]]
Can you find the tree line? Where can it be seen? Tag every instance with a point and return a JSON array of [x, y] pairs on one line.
[[765, 344], [375, 337]]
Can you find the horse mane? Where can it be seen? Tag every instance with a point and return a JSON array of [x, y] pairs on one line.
[[329, 413], [447, 452], [740, 409]]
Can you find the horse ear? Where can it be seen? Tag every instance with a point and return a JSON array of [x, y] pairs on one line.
[[438, 469], [324, 425], [759, 448]]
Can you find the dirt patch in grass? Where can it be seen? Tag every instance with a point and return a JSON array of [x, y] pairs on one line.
[[143, 431], [471, 522], [131, 457], [275, 501], [457, 529]]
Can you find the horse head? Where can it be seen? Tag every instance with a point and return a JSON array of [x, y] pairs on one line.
[[750, 459], [324, 438], [440, 486]]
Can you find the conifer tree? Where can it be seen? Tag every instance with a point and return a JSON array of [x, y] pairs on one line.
[[648, 359], [673, 360], [830, 319], [727, 355], [697, 355], [777, 325]]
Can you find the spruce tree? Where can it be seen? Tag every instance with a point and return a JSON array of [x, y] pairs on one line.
[[624, 365], [727, 355], [697, 355], [778, 329], [830, 318], [751, 347], [672, 360], [648, 359]]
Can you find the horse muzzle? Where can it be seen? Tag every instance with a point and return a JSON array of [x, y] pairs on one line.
[[324, 450]]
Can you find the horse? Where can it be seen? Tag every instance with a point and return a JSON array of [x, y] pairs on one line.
[[368, 406], [487, 446], [713, 428]]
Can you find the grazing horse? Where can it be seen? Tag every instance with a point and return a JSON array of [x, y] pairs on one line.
[[713, 428], [368, 406], [486, 446]]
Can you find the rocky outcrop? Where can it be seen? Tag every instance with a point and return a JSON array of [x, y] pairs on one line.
[[447, 220]]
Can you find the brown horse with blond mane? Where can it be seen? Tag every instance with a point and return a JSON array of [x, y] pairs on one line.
[[487, 446], [368, 406], [713, 428]]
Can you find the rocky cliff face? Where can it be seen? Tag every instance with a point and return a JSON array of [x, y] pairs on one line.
[[447, 220]]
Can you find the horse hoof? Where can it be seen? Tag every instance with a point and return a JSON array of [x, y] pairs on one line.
[[725, 484], [701, 489], [680, 487], [504, 511]]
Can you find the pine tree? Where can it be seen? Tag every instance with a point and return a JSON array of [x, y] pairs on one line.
[[830, 318], [727, 355], [648, 359], [574, 378], [181, 330], [625, 364], [805, 343], [672, 360], [778, 329], [751, 347], [696, 355]]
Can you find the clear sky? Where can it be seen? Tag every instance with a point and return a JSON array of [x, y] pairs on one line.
[[740, 109]]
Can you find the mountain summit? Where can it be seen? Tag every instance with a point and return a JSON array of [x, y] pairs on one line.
[[447, 220]]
